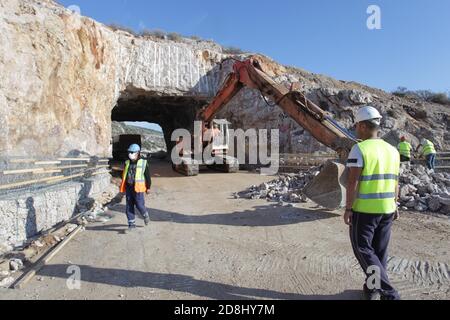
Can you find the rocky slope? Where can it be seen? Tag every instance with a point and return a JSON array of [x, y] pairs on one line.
[[412, 118]]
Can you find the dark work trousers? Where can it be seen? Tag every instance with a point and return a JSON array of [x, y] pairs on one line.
[[431, 161], [370, 235], [137, 200], [404, 159]]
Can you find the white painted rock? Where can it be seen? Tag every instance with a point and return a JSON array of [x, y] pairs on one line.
[[15, 264]]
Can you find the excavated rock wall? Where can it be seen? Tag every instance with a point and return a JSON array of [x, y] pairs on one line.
[[24, 215], [61, 75]]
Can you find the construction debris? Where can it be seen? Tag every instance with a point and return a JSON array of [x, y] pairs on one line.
[[420, 189], [286, 189], [6, 282], [70, 227], [5, 247], [424, 190], [15, 264], [97, 214]]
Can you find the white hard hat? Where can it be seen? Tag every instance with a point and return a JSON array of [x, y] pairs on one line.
[[368, 113]]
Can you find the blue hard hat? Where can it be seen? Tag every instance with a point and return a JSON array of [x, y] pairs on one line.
[[134, 148]]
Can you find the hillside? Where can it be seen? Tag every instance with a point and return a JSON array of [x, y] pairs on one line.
[[152, 141]]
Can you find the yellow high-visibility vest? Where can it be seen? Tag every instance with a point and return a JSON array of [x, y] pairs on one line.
[[405, 149], [379, 179], [139, 179], [428, 148]]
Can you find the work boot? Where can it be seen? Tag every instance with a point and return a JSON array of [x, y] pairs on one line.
[[392, 297], [131, 229], [371, 295]]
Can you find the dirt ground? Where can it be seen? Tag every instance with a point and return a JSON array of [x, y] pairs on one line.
[[204, 244]]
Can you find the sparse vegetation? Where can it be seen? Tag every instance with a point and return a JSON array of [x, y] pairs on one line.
[[116, 27], [232, 50], [424, 95], [157, 33], [174, 36]]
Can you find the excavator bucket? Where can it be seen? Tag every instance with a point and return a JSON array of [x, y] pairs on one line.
[[329, 187]]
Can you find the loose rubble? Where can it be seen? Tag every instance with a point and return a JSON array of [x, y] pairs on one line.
[[6, 282], [286, 189], [424, 190], [5, 247], [420, 189], [15, 264], [71, 227]]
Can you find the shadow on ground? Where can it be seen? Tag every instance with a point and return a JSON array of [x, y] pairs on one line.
[[182, 283], [259, 216]]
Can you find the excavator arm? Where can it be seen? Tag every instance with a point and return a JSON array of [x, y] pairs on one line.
[[329, 187], [295, 104]]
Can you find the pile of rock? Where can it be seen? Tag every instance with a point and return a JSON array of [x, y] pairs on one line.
[[424, 190], [97, 214], [420, 189], [286, 189]]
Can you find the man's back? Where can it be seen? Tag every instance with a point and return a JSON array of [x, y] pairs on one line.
[[379, 177]]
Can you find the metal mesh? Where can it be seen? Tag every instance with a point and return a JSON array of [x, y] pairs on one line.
[[21, 175]]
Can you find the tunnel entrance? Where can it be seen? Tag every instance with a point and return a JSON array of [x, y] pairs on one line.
[[169, 112], [148, 135]]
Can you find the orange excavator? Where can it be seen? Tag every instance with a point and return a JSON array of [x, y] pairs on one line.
[[328, 188]]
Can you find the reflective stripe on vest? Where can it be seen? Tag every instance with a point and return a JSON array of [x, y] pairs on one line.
[[139, 180], [428, 148], [379, 178], [405, 149]]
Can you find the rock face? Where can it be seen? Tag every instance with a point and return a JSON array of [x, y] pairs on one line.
[[61, 75], [64, 77]]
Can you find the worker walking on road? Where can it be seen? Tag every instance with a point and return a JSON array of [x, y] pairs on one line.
[[429, 151], [404, 147], [136, 182], [372, 193]]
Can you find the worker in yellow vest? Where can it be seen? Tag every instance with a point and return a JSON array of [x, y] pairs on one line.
[[372, 192], [404, 147], [429, 151], [136, 182]]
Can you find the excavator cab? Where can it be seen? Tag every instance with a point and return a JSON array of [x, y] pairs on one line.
[[221, 135], [214, 144], [219, 143]]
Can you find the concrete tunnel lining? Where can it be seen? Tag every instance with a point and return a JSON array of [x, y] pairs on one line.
[[168, 111]]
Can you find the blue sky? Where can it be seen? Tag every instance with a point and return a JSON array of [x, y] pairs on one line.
[[329, 37], [323, 36]]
